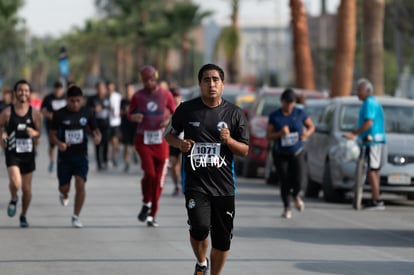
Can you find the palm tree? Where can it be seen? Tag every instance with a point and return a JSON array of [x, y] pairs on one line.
[[11, 39], [182, 19], [301, 49], [345, 49], [88, 41], [229, 42], [373, 23]]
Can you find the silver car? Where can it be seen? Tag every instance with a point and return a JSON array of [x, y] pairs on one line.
[[331, 159]]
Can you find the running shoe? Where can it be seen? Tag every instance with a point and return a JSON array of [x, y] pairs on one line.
[[151, 222], [299, 204], [126, 167], [143, 214], [23, 222], [176, 192], [374, 205], [287, 213], [76, 222], [11, 209], [64, 200], [201, 269], [135, 158], [51, 167]]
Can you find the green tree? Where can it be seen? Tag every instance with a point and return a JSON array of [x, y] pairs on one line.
[[398, 41], [12, 39], [182, 19], [229, 43]]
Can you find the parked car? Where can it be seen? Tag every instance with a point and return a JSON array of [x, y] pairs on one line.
[[186, 93], [267, 100], [331, 159], [245, 101], [233, 93], [314, 108]]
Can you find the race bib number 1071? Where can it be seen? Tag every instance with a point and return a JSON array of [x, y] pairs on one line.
[[206, 155]]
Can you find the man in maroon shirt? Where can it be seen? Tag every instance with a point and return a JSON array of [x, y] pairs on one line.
[[151, 108]]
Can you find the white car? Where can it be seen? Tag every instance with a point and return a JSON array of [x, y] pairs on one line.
[[331, 159]]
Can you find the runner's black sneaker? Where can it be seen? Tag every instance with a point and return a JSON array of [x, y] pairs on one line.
[[23, 222], [201, 270], [374, 205], [176, 192], [11, 209], [151, 222], [143, 214]]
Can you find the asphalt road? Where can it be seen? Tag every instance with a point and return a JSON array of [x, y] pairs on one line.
[[324, 239]]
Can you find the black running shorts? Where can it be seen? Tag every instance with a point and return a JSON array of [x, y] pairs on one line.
[[214, 214], [25, 163], [72, 166]]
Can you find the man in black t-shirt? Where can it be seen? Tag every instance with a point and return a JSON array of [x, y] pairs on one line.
[[214, 130], [128, 128], [69, 129], [100, 106], [50, 104]]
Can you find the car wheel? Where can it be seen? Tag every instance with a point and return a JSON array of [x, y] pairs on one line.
[[410, 196], [312, 189], [329, 193]]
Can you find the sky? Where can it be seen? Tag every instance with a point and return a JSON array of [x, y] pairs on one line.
[[46, 17]]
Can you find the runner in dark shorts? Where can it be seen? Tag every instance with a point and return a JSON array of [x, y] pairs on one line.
[[214, 131], [175, 153], [69, 131], [128, 128], [50, 104], [20, 129]]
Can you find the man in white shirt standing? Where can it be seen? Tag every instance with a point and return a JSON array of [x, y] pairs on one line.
[[114, 120]]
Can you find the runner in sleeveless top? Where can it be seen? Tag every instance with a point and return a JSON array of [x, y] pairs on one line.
[[214, 131], [69, 129], [150, 108], [20, 127]]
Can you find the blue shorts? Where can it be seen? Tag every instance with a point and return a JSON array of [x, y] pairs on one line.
[[72, 166]]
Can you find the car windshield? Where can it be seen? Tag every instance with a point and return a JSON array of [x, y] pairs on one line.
[[315, 112], [231, 97], [267, 104], [398, 119]]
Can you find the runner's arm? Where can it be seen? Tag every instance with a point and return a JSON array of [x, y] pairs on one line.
[[237, 147], [4, 117]]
